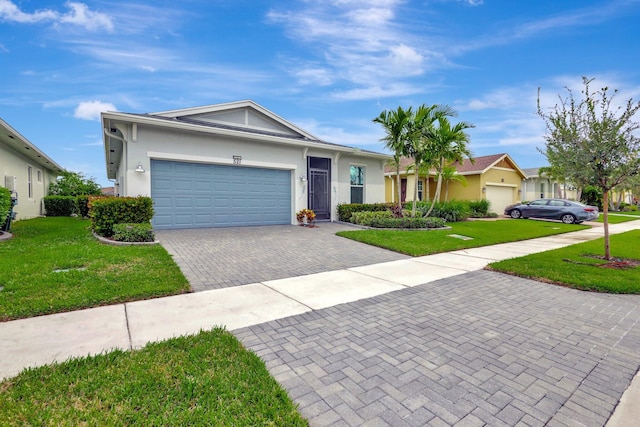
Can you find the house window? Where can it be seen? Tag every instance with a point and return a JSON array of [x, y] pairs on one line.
[[357, 184], [30, 181], [420, 190]]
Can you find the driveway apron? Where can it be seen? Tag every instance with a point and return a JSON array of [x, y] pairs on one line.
[[477, 349], [214, 258]]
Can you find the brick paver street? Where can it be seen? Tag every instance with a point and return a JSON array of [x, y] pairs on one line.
[[478, 349], [214, 258]]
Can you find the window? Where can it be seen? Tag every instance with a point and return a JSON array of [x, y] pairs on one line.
[[357, 184], [420, 190], [30, 181]]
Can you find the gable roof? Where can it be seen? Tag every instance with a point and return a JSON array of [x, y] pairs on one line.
[[480, 165], [12, 139], [244, 119]]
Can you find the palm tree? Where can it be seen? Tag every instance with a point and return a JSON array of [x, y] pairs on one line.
[[450, 174], [395, 124], [448, 144], [419, 141]]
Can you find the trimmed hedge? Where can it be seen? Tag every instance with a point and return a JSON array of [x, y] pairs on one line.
[[107, 211], [345, 210], [82, 206], [60, 205], [365, 218], [429, 222], [133, 232], [5, 204], [453, 211]]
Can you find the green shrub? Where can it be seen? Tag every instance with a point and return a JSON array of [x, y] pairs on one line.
[[82, 206], [453, 211], [479, 208], [365, 218], [60, 205], [405, 222], [5, 204], [133, 232], [107, 211], [345, 210]]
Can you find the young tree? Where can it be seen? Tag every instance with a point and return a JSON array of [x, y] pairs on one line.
[[592, 141], [422, 134], [450, 174], [448, 144], [395, 124], [74, 184]]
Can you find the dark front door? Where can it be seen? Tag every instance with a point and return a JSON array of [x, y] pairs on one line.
[[319, 185], [403, 190]]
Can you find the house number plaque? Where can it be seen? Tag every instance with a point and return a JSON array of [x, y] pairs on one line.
[[237, 160]]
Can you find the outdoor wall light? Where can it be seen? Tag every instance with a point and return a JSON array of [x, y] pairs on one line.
[[139, 168], [303, 178]]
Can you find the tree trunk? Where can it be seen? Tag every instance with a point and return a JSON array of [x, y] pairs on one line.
[[398, 187], [605, 219]]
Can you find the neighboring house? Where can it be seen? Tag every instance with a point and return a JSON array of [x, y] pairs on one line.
[[496, 178], [25, 170], [234, 164], [539, 186]]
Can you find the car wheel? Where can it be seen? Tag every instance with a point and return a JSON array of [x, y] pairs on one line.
[[515, 214], [568, 219]]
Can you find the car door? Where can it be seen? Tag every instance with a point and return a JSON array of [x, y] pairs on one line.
[[554, 209], [535, 209]]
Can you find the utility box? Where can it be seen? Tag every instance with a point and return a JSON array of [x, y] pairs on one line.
[[10, 182]]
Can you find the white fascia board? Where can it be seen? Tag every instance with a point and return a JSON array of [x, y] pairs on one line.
[[40, 157], [124, 117]]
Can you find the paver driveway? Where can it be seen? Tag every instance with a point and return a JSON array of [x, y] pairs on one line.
[[477, 349], [214, 258]]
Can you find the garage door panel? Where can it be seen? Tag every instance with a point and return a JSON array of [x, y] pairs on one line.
[[188, 195]]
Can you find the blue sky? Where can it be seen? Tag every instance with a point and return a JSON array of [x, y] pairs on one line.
[[329, 66]]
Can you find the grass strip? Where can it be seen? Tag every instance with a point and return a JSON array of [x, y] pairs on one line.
[[576, 266], [55, 264], [206, 379], [483, 233]]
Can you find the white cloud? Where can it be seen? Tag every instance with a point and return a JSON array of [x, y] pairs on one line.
[[78, 14], [90, 110]]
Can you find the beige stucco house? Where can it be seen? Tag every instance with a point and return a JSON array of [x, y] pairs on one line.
[[538, 186], [496, 178], [234, 164], [26, 171]]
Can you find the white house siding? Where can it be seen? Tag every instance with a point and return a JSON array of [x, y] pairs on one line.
[[13, 163], [188, 146]]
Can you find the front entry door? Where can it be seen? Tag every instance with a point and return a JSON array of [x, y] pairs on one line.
[[319, 185]]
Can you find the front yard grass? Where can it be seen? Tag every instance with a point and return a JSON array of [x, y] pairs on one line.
[[583, 270], [207, 379], [55, 264], [483, 233]]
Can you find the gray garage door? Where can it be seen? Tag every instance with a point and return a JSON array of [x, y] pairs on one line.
[[193, 195]]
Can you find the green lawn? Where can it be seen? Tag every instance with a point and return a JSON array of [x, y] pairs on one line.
[[55, 264], [614, 218], [208, 379], [582, 271], [483, 233]]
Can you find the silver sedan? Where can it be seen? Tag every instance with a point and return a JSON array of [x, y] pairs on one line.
[[566, 211]]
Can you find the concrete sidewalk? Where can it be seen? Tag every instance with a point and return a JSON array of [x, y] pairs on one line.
[[46, 339]]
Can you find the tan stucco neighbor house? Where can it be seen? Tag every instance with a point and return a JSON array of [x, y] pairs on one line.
[[496, 178], [234, 164], [25, 170]]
